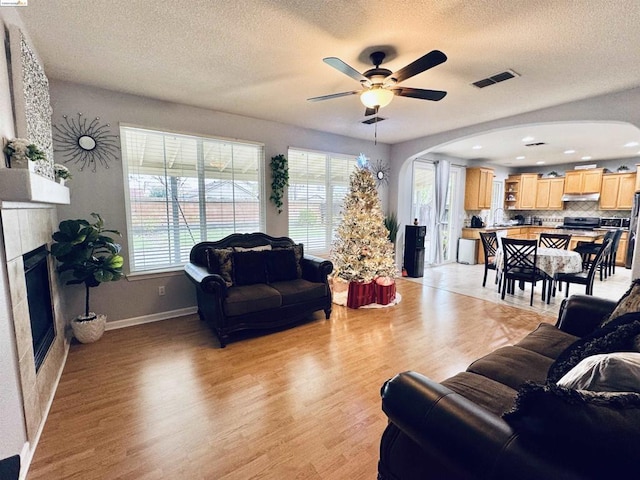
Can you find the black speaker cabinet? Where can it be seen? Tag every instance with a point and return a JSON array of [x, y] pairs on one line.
[[414, 249]]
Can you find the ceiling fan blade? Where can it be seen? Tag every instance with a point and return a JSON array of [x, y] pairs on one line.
[[433, 95], [430, 60], [347, 70], [371, 111], [333, 95]]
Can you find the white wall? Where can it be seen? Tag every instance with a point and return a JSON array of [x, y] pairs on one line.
[[12, 425], [103, 191]]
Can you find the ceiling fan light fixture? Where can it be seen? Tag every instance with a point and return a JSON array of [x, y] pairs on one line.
[[376, 97]]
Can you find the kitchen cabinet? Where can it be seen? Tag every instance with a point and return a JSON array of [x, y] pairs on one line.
[[637, 177], [520, 191], [583, 181], [617, 191], [549, 194], [621, 255], [478, 188]]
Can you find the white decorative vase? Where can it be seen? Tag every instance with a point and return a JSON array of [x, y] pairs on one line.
[[61, 181], [89, 331]]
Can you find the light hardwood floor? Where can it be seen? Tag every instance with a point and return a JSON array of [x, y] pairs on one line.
[[161, 401]]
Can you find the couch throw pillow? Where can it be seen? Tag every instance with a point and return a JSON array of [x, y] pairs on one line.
[[599, 432], [249, 268], [618, 335], [220, 261], [259, 248], [613, 372], [629, 302], [281, 265], [298, 251]]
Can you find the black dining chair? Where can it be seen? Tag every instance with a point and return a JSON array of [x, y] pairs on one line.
[[554, 240], [489, 246], [520, 265], [589, 251], [615, 243], [589, 267]]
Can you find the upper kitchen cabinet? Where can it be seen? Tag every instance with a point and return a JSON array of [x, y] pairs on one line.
[[637, 177], [549, 193], [617, 191], [583, 181], [520, 191], [478, 186]]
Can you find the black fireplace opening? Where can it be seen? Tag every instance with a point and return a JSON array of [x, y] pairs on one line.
[[36, 272]]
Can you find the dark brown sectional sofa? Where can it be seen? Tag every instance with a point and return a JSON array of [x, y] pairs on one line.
[[252, 281], [505, 417]]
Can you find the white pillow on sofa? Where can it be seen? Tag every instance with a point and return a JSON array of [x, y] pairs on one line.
[[612, 372]]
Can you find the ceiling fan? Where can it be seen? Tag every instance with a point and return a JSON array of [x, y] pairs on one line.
[[380, 84]]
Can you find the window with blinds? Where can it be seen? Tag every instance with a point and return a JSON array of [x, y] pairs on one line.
[[183, 189], [318, 183]]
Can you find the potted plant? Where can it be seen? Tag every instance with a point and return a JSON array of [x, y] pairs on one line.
[[20, 151], [391, 222], [62, 173], [90, 257]]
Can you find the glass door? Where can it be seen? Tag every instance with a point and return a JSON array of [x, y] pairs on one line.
[[423, 209]]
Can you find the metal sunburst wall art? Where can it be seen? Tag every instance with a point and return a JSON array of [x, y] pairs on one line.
[[381, 171], [86, 143]]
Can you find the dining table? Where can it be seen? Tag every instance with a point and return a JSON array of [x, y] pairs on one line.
[[550, 261]]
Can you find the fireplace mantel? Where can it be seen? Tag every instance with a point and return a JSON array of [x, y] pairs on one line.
[[23, 185]]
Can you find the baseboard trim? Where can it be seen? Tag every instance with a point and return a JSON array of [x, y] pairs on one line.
[[154, 317]]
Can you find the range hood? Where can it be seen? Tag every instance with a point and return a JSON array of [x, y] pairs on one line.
[[580, 197]]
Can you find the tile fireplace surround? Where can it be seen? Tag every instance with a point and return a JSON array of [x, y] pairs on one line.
[[25, 227]]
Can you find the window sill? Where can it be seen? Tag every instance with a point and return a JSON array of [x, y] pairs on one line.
[[151, 274]]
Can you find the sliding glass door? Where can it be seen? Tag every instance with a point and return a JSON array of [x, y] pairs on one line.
[[423, 209]]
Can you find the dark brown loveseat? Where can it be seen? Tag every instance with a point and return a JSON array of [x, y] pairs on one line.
[[255, 281], [505, 417]]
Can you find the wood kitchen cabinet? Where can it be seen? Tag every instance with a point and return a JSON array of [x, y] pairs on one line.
[[617, 191], [583, 181], [478, 188], [621, 255], [637, 177], [549, 194], [520, 191]]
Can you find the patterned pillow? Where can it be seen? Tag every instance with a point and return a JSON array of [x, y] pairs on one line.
[[630, 302], [259, 248], [220, 261]]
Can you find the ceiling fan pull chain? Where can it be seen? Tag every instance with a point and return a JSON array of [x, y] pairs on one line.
[[375, 133]]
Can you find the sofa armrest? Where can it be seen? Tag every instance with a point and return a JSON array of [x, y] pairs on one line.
[[460, 433], [581, 314], [315, 269], [208, 282]]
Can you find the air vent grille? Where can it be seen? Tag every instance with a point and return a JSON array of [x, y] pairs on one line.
[[372, 120], [497, 78]]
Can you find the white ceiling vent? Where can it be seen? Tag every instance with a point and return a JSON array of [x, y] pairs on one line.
[[497, 78]]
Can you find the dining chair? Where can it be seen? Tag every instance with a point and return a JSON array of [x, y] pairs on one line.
[[614, 251], [589, 251], [554, 240], [489, 246], [519, 264], [590, 266]]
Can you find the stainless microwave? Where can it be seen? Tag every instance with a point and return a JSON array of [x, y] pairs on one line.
[[612, 222]]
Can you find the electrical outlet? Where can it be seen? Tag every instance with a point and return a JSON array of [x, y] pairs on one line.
[[161, 290]]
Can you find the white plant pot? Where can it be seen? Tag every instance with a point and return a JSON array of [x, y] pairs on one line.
[[89, 331], [61, 181]]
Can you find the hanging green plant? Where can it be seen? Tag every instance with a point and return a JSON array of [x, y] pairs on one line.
[[280, 179]]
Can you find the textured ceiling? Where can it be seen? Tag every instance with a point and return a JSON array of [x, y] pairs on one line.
[[263, 58]]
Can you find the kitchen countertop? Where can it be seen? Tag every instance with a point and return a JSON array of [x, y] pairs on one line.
[[597, 233]]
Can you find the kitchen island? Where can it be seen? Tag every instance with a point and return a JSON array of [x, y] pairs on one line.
[[532, 232]]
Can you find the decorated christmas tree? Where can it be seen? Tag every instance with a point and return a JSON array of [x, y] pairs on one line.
[[362, 251]]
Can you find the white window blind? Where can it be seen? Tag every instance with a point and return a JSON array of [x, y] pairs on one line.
[[318, 183], [184, 189]]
